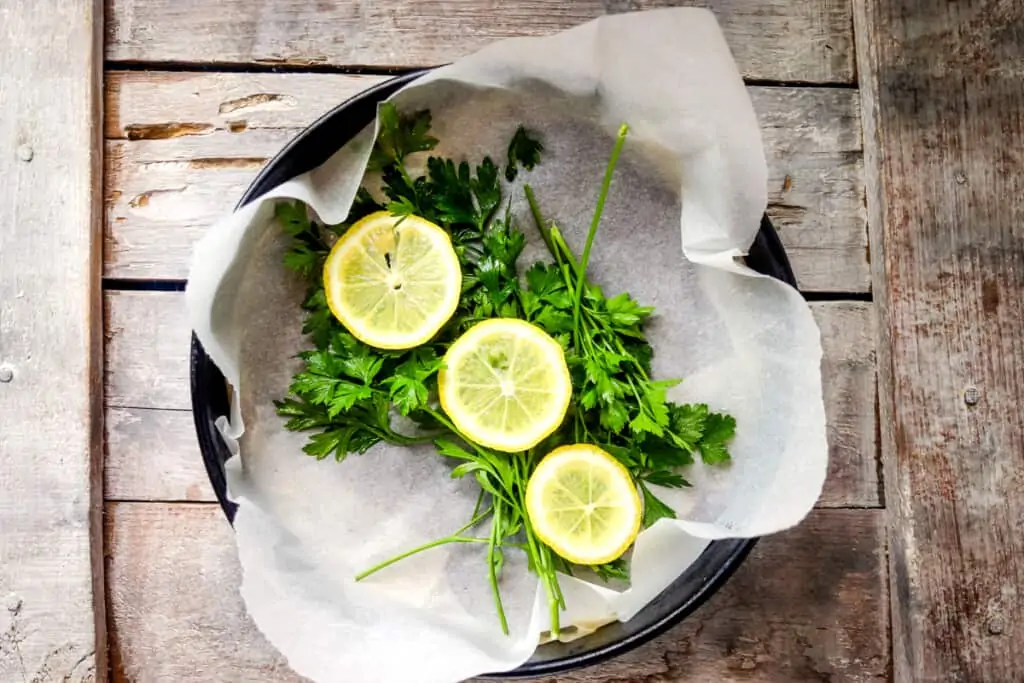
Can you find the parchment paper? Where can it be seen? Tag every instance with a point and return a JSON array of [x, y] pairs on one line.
[[685, 203]]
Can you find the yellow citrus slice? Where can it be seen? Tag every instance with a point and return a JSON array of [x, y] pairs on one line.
[[393, 282], [584, 504], [505, 384]]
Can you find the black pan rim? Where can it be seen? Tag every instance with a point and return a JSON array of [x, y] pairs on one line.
[[210, 398]]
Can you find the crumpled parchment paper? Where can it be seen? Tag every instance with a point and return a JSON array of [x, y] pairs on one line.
[[686, 202]]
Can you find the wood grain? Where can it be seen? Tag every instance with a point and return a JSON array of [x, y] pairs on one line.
[[808, 605], [51, 570], [182, 148], [153, 454], [782, 40], [943, 95], [147, 349], [175, 611], [848, 378]]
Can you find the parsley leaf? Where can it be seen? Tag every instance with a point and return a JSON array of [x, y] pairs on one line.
[[307, 250], [345, 396], [524, 150], [454, 195], [718, 431], [414, 380], [303, 260], [654, 508], [667, 478], [617, 570], [293, 218], [400, 135], [486, 190]]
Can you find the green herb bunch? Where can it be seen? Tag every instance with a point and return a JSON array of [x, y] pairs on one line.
[[348, 391]]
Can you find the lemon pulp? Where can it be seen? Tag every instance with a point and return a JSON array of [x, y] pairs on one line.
[[392, 281], [584, 504], [505, 384]]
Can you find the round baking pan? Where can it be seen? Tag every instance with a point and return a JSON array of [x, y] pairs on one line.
[[210, 400]]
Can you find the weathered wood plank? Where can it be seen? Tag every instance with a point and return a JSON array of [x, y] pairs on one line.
[[175, 611], [147, 348], [943, 98], [139, 101], [848, 378], [812, 140], [153, 454], [52, 624], [808, 605], [782, 40], [184, 146]]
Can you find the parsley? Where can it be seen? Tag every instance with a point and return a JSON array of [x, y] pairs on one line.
[[718, 431], [523, 151], [308, 249], [619, 406], [399, 135], [347, 392]]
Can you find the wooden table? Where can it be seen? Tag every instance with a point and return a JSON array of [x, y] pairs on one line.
[[892, 129]]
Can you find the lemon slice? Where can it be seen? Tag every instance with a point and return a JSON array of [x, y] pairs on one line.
[[393, 282], [505, 384], [583, 503]]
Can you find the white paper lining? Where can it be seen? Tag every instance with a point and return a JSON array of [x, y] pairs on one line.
[[692, 180]]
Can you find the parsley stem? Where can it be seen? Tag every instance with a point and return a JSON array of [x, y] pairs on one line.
[[601, 198], [400, 165], [493, 557], [632, 358], [418, 549], [540, 554], [479, 503], [538, 218], [563, 253], [440, 417], [453, 538], [545, 232], [403, 440], [443, 419]]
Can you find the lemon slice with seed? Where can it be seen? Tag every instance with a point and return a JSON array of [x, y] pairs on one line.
[[505, 384], [393, 282], [584, 504]]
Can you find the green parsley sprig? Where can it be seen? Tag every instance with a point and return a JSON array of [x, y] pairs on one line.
[[618, 405], [348, 392]]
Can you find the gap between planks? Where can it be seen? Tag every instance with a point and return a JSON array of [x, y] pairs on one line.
[[152, 453], [112, 65], [182, 148]]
